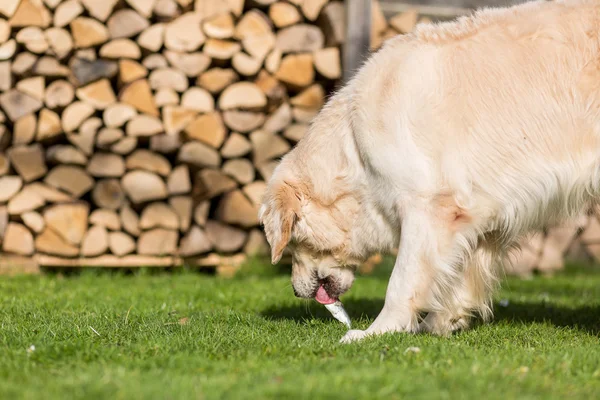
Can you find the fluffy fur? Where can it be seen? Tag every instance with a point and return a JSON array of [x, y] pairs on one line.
[[459, 138]]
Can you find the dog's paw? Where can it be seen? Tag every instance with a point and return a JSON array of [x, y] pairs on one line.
[[354, 335]]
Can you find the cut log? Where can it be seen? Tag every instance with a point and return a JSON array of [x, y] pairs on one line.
[[84, 140], [157, 242], [143, 186], [312, 97], [406, 21], [296, 70], [168, 78], [295, 132], [245, 95], [304, 115], [4, 164], [259, 46], [17, 104], [130, 220], [4, 29], [273, 61], [88, 32], [139, 95], [107, 137], [34, 221], [198, 99], [34, 87], [159, 215], [279, 120], [266, 169], [191, 64], [275, 91], [176, 118], [50, 242], [243, 121], [184, 33], [30, 13], [106, 165], [124, 146], [49, 66], [48, 193], [144, 125], [166, 10], [7, 51], [284, 14], [108, 194], [25, 200], [149, 161], [165, 144], [194, 243], [100, 9], [312, 8], [219, 26], [225, 238], [143, 7], [65, 154], [215, 183], [9, 186], [68, 220], [198, 154], [333, 22], [87, 71], [66, 12], [207, 128], [201, 213], [17, 240], [28, 161], [235, 208], [166, 97], [267, 146], [98, 94], [120, 243], [300, 38], [107, 218], [235, 146], [75, 114], [255, 191], [72, 179], [216, 79], [241, 170], [59, 94], [211, 8], [256, 245], [218, 49], [152, 38], [116, 115], [253, 23], [33, 39], [95, 242], [182, 205], [126, 23], [121, 48], [328, 62], [8, 7], [130, 71], [24, 130], [179, 181], [246, 65]]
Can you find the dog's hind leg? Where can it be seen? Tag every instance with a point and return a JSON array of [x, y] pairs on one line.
[[434, 243]]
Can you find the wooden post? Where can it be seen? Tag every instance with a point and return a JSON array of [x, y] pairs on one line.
[[358, 35]]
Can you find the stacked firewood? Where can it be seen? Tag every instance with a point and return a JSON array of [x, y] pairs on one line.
[[147, 128]]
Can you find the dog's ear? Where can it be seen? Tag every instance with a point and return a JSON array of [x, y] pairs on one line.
[[278, 214]]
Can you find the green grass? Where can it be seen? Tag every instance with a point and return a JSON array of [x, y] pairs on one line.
[[116, 336]]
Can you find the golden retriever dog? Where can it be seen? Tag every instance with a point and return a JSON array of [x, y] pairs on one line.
[[449, 143]]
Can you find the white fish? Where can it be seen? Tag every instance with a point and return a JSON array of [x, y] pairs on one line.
[[337, 310]]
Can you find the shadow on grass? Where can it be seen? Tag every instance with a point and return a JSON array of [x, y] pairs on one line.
[[584, 318]]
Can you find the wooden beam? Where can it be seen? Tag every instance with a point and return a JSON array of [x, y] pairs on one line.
[[358, 36]]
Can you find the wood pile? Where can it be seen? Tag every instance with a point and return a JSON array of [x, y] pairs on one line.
[[141, 132]]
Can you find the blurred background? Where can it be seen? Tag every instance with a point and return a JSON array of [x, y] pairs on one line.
[[141, 132]]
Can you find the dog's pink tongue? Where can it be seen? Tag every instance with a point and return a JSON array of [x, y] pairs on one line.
[[322, 296]]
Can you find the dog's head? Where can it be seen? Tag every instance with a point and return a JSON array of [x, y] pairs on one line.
[[318, 234]]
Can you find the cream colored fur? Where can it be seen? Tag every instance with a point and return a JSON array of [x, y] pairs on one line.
[[452, 143]]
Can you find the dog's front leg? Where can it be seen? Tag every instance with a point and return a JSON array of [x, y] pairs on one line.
[[409, 287]]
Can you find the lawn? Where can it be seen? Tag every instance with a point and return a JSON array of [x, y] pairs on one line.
[[187, 335]]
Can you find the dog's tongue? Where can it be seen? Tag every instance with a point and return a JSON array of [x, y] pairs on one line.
[[322, 296]]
